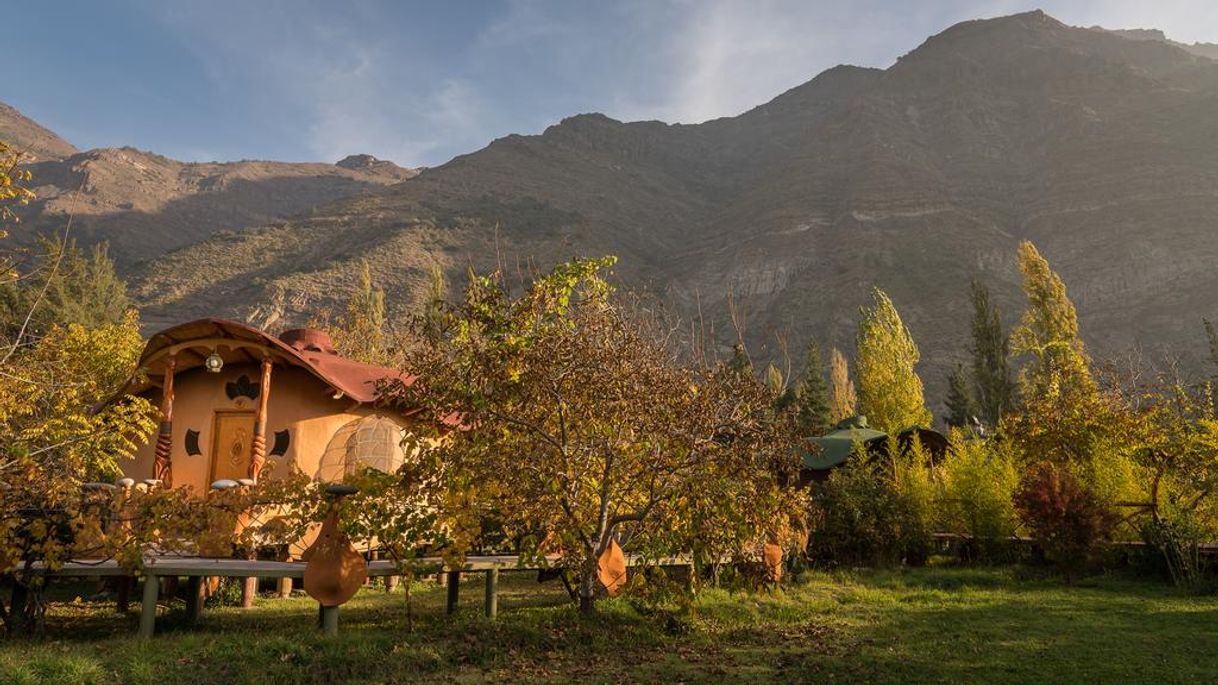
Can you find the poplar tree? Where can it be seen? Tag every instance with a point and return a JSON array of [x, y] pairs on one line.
[[890, 391], [961, 404], [1048, 332], [1211, 337], [812, 409], [363, 330], [843, 402], [992, 383]]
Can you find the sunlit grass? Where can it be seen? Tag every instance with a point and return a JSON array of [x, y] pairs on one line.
[[929, 625]]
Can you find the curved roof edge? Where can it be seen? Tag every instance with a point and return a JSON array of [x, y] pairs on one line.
[[238, 343]]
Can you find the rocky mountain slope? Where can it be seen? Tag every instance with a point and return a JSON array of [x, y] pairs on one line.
[[144, 204], [30, 138], [1101, 147]]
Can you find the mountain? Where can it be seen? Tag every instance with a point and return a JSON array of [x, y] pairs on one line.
[[1100, 147], [30, 138], [145, 205]]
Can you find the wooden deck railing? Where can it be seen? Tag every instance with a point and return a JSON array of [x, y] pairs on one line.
[[196, 569]]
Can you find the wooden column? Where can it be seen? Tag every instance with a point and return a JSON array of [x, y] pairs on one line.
[[162, 469], [258, 459], [249, 586]]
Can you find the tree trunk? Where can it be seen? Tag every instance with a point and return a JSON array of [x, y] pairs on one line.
[[587, 592]]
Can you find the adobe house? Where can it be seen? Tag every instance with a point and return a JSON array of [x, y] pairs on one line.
[[239, 403]]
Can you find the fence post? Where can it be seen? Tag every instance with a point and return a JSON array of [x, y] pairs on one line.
[[194, 599], [329, 620], [148, 607], [454, 590], [492, 593]]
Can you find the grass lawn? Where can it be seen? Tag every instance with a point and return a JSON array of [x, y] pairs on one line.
[[914, 626]]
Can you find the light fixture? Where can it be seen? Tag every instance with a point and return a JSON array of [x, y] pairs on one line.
[[214, 362]]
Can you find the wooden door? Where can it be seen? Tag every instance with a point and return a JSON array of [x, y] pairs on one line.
[[232, 446]]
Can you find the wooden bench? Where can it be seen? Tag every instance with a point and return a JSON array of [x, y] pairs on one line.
[[195, 569]]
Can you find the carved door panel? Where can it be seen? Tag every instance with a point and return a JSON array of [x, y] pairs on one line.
[[232, 445]]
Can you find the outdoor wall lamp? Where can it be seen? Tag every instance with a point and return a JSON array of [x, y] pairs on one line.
[[214, 362]]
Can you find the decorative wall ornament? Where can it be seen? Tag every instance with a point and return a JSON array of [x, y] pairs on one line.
[[282, 441], [192, 443], [242, 387]]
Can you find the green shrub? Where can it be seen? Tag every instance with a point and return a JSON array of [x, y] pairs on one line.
[[978, 481], [873, 511], [1176, 540]]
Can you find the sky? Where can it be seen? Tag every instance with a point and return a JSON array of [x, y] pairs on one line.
[[421, 82]]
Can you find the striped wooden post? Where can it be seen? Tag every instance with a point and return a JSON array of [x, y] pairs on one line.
[[162, 468], [258, 458]]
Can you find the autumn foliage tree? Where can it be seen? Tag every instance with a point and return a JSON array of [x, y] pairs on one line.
[[581, 429], [843, 400], [53, 437], [890, 391]]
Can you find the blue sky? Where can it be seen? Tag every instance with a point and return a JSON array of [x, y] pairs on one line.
[[420, 82]]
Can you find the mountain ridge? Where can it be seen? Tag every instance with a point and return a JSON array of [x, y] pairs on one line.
[[1099, 147], [145, 204]]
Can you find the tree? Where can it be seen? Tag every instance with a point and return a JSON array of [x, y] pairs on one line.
[[843, 402], [1211, 338], [361, 334], [53, 435], [53, 439], [582, 431], [741, 363], [1048, 332], [66, 286], [961, 406], [13, 191], [812, 409], [991, 358], [890, 391]]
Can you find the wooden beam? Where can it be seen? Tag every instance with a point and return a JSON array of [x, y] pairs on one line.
[[199, 566]]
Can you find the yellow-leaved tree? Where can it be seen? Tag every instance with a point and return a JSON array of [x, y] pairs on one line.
[[843, 401], [890, 391], [55, 432]]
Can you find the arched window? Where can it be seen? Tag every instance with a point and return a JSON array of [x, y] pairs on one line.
[[371, 442]]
